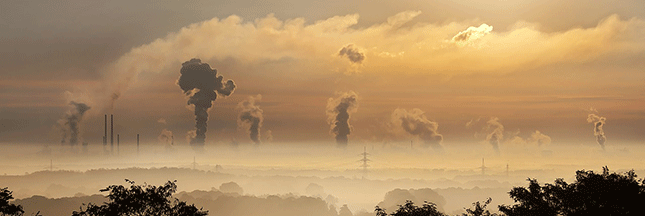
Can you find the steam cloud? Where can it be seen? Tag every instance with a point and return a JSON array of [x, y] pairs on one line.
[[70, 123], [199, 81], [338, 113], [598, 122], [495, 133], [250, 116], [417, 124], [353, 54]]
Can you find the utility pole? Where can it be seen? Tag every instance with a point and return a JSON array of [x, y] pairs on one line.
[[365, 160]]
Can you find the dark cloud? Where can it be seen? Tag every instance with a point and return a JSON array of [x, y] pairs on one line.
[[70, 123], [202, 83], [598, 123], [417, 124], [250, 116], [353, 54], [338, 113]]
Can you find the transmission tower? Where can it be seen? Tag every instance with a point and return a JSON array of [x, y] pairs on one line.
[[365, 160]]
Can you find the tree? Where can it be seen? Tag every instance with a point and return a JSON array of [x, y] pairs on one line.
[[591, 194], [479, 209], [141, 200], [5, 207], [409, 209]]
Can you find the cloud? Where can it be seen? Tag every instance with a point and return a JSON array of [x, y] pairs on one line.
[[338, 112], [352, 53], [416, 124], [426, 47], [471, 34]]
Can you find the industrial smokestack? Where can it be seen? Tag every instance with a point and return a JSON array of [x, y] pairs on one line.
[[111, 133], [137, 144], [117, 144], [338, 113], [202, 83], [105, 134]]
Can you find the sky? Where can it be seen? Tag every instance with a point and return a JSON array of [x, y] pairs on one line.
[[459, 72]]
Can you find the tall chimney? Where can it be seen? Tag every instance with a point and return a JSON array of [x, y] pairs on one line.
[[117, 144], [111, 133], [137, 144], [105, 135]]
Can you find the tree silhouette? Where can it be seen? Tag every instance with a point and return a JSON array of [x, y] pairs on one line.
[[591, 194], [5, 207], [141, 200], [409, 209], [479, 209]]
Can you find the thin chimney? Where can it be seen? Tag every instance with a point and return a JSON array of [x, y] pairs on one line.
[[137, 144], [105, 134], [117, 144], [111, 133]]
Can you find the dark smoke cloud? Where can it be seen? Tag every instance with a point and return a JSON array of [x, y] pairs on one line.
[[250, 116], [598, 122], [338, 113], [417, 124], [70, 123], [495, 132], [353, 54], [199, 81]]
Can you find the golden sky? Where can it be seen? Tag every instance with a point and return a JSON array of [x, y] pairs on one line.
[[536, 67]]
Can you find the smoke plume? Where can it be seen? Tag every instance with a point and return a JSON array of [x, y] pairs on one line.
[[250, 117], [417, 124], [539, 138], [199, 81], [598, 122], [166, 136], [495, 132], [70, 123], [338, 113], [353, 54]]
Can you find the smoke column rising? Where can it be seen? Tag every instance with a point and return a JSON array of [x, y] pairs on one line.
[[598, 122], [338, 113], [70, 123], [251, 116], [202, 84], [417, 124], [495, 132]]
